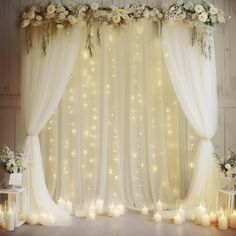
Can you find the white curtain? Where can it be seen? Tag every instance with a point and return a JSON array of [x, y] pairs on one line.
[[116, 134], [44, 79], [194, 80]]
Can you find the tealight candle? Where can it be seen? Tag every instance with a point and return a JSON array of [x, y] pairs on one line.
[[159, 206], [33, 219], [99, 206], [157, 217], [223, 222], [10, 220], [206, 220], [233, 220], [177, 219], [212, 217], [144, 211]]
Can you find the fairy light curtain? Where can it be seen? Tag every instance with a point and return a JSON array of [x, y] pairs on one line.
[[117, 132]]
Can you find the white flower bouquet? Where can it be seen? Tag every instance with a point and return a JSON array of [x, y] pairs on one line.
[[12, 162], [226, 165]]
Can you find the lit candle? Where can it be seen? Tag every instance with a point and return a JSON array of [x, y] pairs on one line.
[[213, 217], [33, 219], [4, 225], [99, 206], [1, 216], [91, 215], [177, 219], [233, 220], [181, 212], [223, 222], [10, 220], [110, 209], [199, 212], [144, 211], [159, 206], [92, 208], [115, 212], [219, 213], [157, 217], [68, 206], [61, 203], [121, 209], [206, 220]]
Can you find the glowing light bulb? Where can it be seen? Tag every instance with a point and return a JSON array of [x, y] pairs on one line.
[[85, 54], [73, 131]]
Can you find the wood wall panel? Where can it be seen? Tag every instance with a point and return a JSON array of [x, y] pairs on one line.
[[11, 131]]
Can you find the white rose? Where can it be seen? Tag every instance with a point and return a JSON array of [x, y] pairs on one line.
[[221, 18], [60, 26], [24, 23], [120, 12], [172, 9], [227, 166], [51, 9], [198, 8], [202, 17], [125, 16], [39, 18], [66, 13], [146, 14], [160, 15], [189, 6], [156, 11], [60, 8], [180, 2], [213, 18], [213, 11], [94, 6], [73, 20], [61, 16], [116, 19]]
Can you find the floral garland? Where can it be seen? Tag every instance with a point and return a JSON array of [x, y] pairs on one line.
[[202, 16]]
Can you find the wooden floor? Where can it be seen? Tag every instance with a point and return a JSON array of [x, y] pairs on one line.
[[131, 224]]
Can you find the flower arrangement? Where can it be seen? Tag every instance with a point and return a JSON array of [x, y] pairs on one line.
[[52, 17], [228, 164], [12, 162]]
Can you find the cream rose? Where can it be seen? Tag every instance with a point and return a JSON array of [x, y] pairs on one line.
[[202, 17], [51, 9], [198, 8], [39, 18], [24, 15], [60, 26], [116, 19], [72, 19], [94, 6], [31, 14], [213, 11]]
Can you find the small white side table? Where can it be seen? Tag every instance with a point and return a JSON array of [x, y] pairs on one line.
[[231, 198], [16, 196]]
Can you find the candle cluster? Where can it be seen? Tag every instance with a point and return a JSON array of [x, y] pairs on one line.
[[7, 217], [66, 205]]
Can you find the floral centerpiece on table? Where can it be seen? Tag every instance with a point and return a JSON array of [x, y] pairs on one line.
[[201, 15], [228, 164], [12, 162]]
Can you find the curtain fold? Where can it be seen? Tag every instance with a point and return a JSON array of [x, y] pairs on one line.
[[194, 79], [44, 79]]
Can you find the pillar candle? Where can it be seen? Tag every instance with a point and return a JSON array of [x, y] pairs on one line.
[[213, 217], [177, 219], [181, 212], [68, 206], [144, 211], [159, 206], [33, 219], [121, 209], [99, 206], [1, 216], [157, 217], [223, 222], [91, 215], [233, 220], [115, 212], [199, 212], [10, 220], [206, 220]]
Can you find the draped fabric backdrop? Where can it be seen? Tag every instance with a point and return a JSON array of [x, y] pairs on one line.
[[117, 133]]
